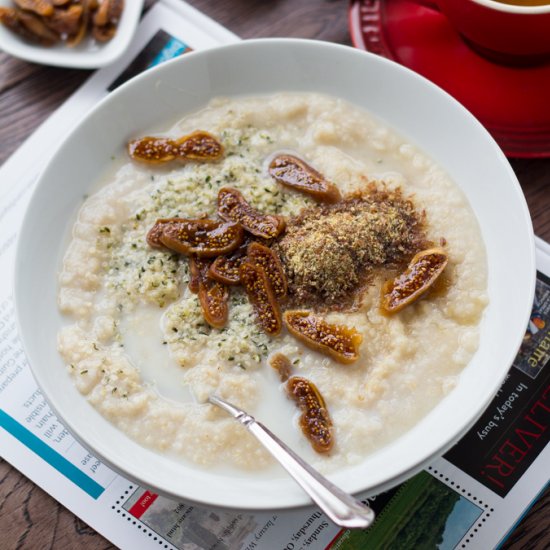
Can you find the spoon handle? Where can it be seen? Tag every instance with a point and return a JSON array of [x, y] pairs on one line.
[[340, 507]]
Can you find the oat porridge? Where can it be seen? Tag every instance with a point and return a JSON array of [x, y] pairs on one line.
[[285, 274]]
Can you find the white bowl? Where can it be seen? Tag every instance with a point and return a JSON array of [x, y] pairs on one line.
[[417, 109], [86, 55]]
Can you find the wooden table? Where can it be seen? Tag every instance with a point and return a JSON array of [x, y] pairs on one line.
[[29, 518]]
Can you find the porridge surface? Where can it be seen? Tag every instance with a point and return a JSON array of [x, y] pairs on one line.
[[139, 349]]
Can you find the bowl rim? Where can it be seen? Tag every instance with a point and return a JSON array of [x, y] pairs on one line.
[[422, 459]]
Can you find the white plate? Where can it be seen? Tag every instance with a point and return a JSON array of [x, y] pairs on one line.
[[87, 55], [417, 109]]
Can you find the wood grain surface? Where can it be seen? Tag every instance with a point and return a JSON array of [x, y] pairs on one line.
[[30, 518]]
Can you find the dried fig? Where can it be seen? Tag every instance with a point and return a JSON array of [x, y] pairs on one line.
[[232, 206], [315, 421], [420, 275], [198, 271], [339, 342], [261, 296], [154, 234], [205, 238], [213, 297], [265, 257], [226, 268], [293, 172], [156, 150]]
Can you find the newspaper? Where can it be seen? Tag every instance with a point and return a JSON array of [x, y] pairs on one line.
[[471, 497]]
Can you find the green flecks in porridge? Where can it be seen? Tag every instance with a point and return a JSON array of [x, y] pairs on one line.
[[137, 274], [144, 275], [191, 340]]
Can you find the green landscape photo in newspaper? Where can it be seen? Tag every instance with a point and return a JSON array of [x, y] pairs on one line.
[[423, 514]]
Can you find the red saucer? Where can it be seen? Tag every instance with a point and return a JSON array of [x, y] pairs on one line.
[[513, 103]]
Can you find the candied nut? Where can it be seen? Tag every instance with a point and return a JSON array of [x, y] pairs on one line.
[[340, 342], [281, 363], [293, 172], [8, 16], [261, 296], [115, 10], [44, 8], [50, 21], [10, 19], [101, 16], [420, 275], [77, 38], [29, 26], [104, 33], [315, 421], [105, 18], [205, 238], [232, 206], [65, 21], [108, 12], [196, 146], [213, 297], [265, 257]]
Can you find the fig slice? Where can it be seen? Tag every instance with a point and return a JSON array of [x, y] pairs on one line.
[[265, 257], [213, 297], [281, 363], [226, 268], [339, 342], [315, 420], [232, 206], [293, 172], [198, 271], [205, 238], [154, 234], [198, 145], [261, 296], [421, 273]]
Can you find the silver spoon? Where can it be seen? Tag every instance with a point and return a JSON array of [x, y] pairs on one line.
[[341, 508]]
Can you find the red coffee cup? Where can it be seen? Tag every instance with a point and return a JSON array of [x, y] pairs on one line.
[[506, 33]]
